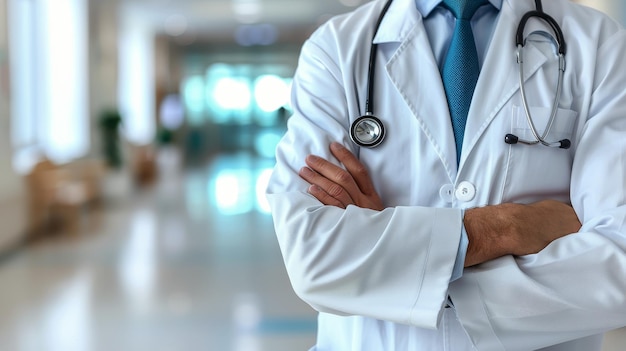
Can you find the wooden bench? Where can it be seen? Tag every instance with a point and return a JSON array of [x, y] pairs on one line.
[[59, 195]]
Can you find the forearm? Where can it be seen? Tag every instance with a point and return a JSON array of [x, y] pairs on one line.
[[572, 288], [516, 229]]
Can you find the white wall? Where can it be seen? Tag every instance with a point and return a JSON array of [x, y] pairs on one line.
[[103, 63], [7, 179], [12, 192]]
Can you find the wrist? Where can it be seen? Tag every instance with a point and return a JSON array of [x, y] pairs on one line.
[[491, 232]]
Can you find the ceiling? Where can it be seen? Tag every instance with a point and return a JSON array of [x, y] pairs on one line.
[[219, 19]]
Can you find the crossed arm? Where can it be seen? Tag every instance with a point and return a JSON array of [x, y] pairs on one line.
[[493, 231]]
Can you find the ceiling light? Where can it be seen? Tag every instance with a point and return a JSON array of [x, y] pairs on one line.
[[247, 11]]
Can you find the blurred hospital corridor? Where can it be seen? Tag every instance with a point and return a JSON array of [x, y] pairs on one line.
[[188, 263], [137, 138]]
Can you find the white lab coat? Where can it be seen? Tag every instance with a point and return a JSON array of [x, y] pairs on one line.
[[380, 279]]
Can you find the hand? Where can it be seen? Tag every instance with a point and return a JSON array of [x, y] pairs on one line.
[[516, 229], [335, 186]]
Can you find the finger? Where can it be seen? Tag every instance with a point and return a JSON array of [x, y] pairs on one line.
[[354, 167], [324, 197], [335, 174], [329, 188]]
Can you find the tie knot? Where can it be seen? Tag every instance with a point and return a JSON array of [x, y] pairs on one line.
[[464, 9]]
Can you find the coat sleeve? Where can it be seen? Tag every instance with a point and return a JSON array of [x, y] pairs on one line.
[[577, 285], [392, 265]]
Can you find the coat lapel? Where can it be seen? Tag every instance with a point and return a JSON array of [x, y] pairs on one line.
[[499, 78], [414, 73]]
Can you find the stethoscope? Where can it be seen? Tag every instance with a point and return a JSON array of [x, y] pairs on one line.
[[369, 131]]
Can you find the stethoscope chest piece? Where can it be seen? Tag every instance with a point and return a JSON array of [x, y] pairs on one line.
[[367, 131]]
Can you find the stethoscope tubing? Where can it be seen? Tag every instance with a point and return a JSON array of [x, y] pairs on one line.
[[361, 127], [560, 38], [371, 70], [561, 51], [368, 119], [555, 103]]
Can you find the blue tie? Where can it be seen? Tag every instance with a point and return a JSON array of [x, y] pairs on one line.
[[460, 69]]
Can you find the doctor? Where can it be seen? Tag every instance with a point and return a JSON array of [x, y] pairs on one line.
[[376, 238]]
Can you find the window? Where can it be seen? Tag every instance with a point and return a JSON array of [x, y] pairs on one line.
[[48, 48]]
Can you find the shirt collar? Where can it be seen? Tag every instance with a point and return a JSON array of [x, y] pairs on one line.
[[425, 7]]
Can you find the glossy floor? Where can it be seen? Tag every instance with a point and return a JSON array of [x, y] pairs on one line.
[[190, 263]]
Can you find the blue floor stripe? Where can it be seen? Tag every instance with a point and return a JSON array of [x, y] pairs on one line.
[[287, 326]]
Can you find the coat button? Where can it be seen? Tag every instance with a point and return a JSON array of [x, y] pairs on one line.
[[465, 192], [446, 193]]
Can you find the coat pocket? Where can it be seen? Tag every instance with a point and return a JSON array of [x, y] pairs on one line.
[[562, 126], [536, 171]]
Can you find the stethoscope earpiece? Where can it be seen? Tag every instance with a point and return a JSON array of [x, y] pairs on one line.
[[513, 139], [565, 144]]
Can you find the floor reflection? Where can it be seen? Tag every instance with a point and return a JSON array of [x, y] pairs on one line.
[[138, 266], [66, 323], [188, 264]]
